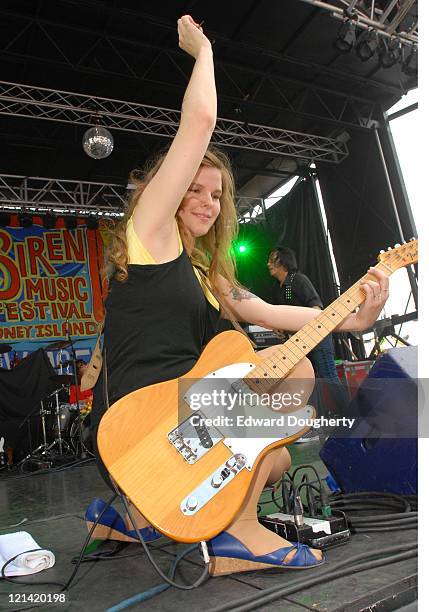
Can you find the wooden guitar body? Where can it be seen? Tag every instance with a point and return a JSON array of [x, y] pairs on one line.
[[194, 497], [133, 443]]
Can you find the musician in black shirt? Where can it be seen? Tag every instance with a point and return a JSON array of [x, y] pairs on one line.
[[293, 288]]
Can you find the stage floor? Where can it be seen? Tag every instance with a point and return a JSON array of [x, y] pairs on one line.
[[54, 506]]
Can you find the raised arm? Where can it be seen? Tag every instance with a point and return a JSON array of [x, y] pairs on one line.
[[158, 204]]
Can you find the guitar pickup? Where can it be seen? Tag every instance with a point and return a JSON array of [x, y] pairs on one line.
[[203, 433]]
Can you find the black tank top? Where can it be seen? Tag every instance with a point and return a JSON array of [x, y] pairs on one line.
[[157, 323]]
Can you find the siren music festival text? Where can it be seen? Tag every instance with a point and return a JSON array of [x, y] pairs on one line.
[[45, 284]]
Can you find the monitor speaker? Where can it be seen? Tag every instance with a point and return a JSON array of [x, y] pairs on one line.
[[379, 451]]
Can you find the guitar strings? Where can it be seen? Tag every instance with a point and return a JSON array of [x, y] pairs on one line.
[[354, 296]]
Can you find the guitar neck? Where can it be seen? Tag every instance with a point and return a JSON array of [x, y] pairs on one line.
[[286, 357]]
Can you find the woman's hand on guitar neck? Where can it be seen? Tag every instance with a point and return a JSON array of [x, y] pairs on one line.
[[377, 292]]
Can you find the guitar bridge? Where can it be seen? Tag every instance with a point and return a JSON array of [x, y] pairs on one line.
[[193, 439]]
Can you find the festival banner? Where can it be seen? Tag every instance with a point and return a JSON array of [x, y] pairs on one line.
[[50, 287]]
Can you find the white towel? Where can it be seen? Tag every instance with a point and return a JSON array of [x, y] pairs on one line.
[[13, 544]]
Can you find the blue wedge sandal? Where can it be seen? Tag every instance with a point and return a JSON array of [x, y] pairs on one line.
[[228, 555], [112, 526]]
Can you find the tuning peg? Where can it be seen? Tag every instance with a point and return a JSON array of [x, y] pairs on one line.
[[397, 245], [412, 238], [389, 248], [382, 251]]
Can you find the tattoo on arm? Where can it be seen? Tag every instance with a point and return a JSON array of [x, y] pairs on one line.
[[241, 294]]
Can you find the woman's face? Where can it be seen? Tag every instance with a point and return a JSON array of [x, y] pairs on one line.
[[201, 205]]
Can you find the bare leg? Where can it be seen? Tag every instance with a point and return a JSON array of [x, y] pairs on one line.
[[139, 519], [246, 527]]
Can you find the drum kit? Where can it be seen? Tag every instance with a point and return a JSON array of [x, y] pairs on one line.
[[65, 426]]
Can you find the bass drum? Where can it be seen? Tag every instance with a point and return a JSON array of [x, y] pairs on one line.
[[86, 436], [67, 414]]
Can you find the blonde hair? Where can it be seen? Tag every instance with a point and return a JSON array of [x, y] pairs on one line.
[[213, 250]]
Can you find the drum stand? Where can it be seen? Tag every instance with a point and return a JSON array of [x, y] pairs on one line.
[[42, 452], [59, 441], [81, 453], [45, 453]]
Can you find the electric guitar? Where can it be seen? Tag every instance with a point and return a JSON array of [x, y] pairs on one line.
[[188, 475]]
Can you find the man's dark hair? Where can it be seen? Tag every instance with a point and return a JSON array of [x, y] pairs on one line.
[[286, 257]]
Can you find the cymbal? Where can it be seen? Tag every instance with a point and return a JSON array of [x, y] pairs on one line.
[[5, 348], [57, 345], [63, 379]]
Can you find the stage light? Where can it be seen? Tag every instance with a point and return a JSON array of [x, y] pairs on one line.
[[92, 222], [97, 142], [25, 220], [4, 219], [70, 222], [389, 51], [367, 44], [49, 221], [410, 63], [242, 249], [346, 37]]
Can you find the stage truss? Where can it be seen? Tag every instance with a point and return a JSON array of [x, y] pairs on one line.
[[38, 196], [389, 22], [67, 107]]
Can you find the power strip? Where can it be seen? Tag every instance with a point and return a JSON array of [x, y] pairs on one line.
[[321, 533]]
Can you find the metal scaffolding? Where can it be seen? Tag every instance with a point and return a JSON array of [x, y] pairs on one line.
[[38, 196], [107, 54], [67, 107], [367, 16], [250, 210]]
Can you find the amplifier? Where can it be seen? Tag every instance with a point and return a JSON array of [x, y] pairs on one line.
[[263, 337], [353, 373], [379, 452]]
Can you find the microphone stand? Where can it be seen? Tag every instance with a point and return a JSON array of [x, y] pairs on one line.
[[82, 453]]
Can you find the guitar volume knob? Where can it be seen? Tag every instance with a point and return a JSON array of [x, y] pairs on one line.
[[191, 503], [217, 480]]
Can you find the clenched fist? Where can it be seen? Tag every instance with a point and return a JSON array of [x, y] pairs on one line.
[[191, 36]]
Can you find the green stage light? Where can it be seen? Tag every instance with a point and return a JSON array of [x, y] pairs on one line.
[[242, 248]]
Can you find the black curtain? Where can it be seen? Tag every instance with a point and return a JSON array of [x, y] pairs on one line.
[[294, 221], [22, 388], [358, 205]]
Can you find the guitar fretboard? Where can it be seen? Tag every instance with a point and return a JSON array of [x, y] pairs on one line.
[[289, 354]]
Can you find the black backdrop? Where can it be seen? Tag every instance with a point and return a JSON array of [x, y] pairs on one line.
[[22, 388], [293, 221], [358, 205]]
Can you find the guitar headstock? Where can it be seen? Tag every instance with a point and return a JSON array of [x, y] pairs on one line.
[[400, 256]]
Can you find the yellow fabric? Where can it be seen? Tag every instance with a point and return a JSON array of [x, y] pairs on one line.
[[138, 254]]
